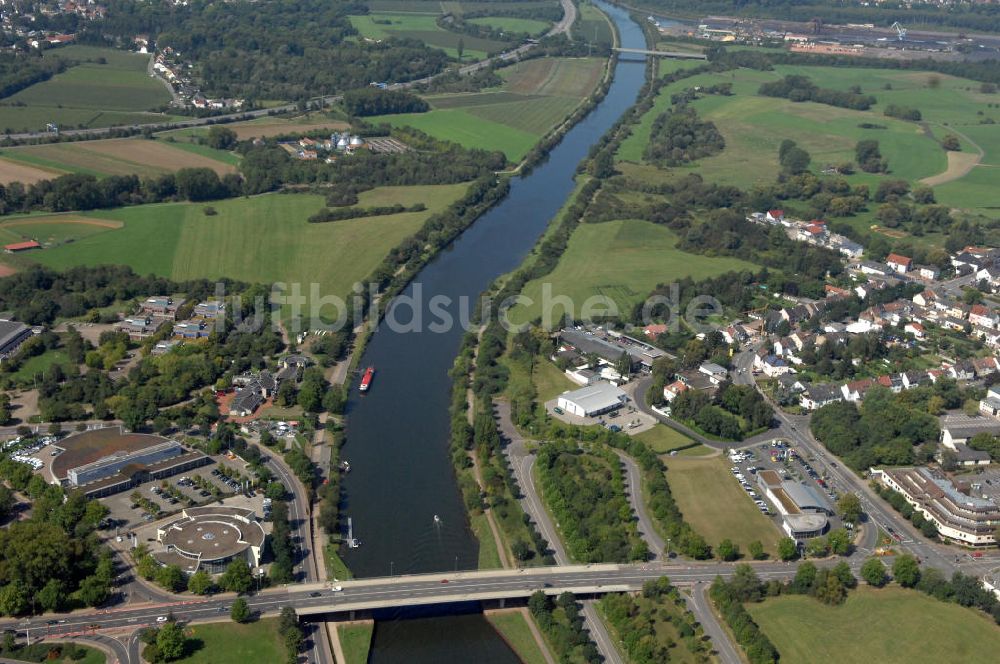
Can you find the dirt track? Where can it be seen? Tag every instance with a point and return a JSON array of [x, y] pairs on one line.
[[959, 165]]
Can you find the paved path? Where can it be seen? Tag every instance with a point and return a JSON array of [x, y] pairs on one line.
[[698, 603], [633, 490]]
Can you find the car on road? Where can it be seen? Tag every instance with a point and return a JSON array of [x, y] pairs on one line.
[[337, 589], [557, 410], [315, 594], [444, 580], [161, 619]]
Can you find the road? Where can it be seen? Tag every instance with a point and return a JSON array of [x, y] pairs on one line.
[[298, 515], [633, 490], [569, 15], [698, 604]]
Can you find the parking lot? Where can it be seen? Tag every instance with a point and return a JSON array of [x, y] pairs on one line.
[[193, 487], [777, 455]]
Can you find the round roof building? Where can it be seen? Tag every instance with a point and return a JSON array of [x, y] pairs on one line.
[[209, 538]]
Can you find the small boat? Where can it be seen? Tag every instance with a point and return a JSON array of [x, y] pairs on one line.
[[437, 519], [366, 380]]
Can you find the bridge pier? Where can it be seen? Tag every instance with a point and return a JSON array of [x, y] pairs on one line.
[[503, 602]]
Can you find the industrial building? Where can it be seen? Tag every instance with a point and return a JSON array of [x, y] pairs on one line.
[[803, 511], [593, 400], [209, 538], [108, 460], [961, 512]]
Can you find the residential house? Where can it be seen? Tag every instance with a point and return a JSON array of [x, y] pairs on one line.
[[990, 404], [868, 267], [673, 390], [925, 298], [915, 329], [715, 373], [982, 316], [775, 216], [985, 366], [654, 330], [991, 275], [771, 366], [912, 379], [834, 292], [855, 390], [962, 370], [928, 272], [817, 396], [898, 263]]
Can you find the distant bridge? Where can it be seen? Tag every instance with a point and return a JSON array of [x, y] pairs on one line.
[[680, 55]]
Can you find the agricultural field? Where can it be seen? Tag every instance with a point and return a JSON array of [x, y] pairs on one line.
[[535, 97], [423, 27], [723, 512], [109, 87], [53, 229], [923, 630], [513, 24], [754, 126], [114, 156], [619, 261], [263, 128], [264, 239]]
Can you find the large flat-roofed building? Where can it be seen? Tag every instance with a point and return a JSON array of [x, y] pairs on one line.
[[209, 538], [593, 400], [957, 514], [610, 347], [803, 511], [12, 335], [108, 460]]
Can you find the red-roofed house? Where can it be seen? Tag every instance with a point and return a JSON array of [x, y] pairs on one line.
[[775, 216], [833, 291], [898, 263], [654, 330], [982, 316], [672, 391], [21, 246], [916, 329]]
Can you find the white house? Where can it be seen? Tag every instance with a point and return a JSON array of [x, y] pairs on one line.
[[899, 263]]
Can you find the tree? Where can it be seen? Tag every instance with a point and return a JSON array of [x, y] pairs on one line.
[[756, 550], [520, 549], [951, 143], [171, 578], [849, 506], [237, 577], [460, 48], [874, 573], [795, 160], [906, 570], [200, 583], [241, 610], [170, 642], [839, 541], [787, 549], [727, 550], [221, 138]]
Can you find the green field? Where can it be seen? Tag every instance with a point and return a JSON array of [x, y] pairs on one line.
[[512, 24], [234, 643], [262, 239], [423, 27], [592, 26], [715, 504], [754, 127], [489, 557], [40, 363], [356, 640], [662, 439], [550, 381], [890, 625], [89, 94], [513, 627], [620, 261], [535, 97]]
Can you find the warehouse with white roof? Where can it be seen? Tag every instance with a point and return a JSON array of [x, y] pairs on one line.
[[593, 400]]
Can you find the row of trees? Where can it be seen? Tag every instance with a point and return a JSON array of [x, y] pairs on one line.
[[373, 101], [679, 137], [800, 88]]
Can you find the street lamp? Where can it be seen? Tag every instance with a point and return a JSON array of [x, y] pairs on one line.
[[390, 568]]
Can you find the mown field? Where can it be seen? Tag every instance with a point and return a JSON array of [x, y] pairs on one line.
[[95, 93], [263, 127], [512, 24], [535, 97], [512, 624], [890, 626], [716, 506], [263, 239], [234, 643], [662, 439], [623, 261], [356, 640], [51, 229], [384, 25], [114, 156], [754, 127]]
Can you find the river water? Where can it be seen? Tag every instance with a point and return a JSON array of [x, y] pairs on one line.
[[398, 433]]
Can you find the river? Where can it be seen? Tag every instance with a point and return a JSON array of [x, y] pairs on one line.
[[398, 433]]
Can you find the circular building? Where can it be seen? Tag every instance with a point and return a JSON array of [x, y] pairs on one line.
[[209, 538]]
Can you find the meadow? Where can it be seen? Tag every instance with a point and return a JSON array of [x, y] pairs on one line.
[[754, 127], [263, 239], [592, 26], [890, 625], [108, 87], [114, 156], [512, 624], [662, 439], [384, 25], [535, 97], [356, 640], [623, 261], [234, 643], [723, 512], [51, 229], [512, 24]]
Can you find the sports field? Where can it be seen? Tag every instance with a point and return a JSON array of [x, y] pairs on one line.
[[754, 127], [423, 27], [115, 156], [715, 505], [263, 239], [619, 261], [108, 87], [891, 626], [535, 97]]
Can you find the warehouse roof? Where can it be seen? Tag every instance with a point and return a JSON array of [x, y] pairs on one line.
[[599, 396]]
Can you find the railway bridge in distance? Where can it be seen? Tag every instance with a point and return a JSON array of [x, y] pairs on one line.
[[678, 55]]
